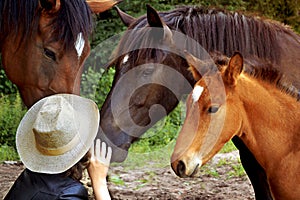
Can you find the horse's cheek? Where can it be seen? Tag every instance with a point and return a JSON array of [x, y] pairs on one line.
[[19, 69]]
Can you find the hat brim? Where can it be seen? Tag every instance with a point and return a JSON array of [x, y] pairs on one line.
[[88, 117]]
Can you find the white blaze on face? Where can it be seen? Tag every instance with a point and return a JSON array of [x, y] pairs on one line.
[[196, 94], [125, 59], [79, 44]]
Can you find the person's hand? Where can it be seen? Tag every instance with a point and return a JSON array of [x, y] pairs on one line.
[[99, 162]]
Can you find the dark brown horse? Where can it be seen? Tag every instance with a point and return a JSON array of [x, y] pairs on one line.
[[149, 61], [44, 44], [257, 107]]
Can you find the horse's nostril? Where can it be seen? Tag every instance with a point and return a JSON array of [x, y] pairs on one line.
[[125, 146], [181, 169]]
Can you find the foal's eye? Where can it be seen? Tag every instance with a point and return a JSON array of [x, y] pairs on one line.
[[50, 54], [213, 109]]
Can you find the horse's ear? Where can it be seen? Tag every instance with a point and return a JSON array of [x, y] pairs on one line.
[[234, 69], [99, 6], [155, 21], [153, 17], [194, 65], [126, 19], [50, 6]]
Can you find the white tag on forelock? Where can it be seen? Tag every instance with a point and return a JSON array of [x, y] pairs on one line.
[[125, 59], [79, 44], [197, 91]]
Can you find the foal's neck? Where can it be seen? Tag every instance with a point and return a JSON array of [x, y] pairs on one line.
[[271, 120]]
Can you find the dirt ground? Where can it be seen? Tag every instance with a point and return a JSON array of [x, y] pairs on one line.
[[219, 181]]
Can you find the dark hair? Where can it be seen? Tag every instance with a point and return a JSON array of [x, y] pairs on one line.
[[22, 17], [76, 171]]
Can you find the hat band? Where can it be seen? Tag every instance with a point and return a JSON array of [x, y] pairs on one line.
[[60, 150]]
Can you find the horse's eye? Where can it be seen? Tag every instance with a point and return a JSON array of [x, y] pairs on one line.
[[213, 109], [148, 71], [50, 54]]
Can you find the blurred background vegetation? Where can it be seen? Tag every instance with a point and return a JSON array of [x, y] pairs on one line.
[[96, 81]]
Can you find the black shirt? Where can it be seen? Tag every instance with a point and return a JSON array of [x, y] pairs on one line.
[[38, 186]]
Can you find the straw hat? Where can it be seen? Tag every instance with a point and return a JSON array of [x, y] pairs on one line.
[[57, 132]]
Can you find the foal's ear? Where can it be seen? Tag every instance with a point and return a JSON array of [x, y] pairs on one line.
[[126, 19], [155, 21], [50, 6], [99, 6], [234, 69], [194, 65]]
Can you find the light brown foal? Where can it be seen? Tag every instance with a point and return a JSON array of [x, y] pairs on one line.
[[255, 108]]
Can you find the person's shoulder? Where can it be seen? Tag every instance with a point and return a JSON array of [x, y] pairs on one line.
[[65, 187], [74, 191]]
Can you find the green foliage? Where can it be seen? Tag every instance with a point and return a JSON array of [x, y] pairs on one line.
[[117, 180], [162, 134], [11, 113], [228, 147], [104, 85], [159, 158], [6, 86], [8, 153], [96, 85], [89, 82], [285, 11], [237, 171]]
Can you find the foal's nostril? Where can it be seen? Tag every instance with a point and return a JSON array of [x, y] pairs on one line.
[[181, 169]]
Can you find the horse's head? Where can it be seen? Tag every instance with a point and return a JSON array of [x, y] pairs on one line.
[[147, 65], [44, 44], [212, 117]]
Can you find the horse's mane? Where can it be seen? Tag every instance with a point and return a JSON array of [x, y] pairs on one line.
[[22, 17], [260, 69], [224, 31], [267, 72]]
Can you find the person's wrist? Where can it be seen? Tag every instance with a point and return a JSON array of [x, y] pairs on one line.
[[100, 182]]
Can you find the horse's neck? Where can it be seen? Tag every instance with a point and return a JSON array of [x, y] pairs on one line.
[[271, 120], [1, 41], [289, 63], [277, 44]]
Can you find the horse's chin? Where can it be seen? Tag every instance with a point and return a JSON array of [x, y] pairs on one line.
[[119, 156], [196, 174], [119, 147], [31, 95]]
